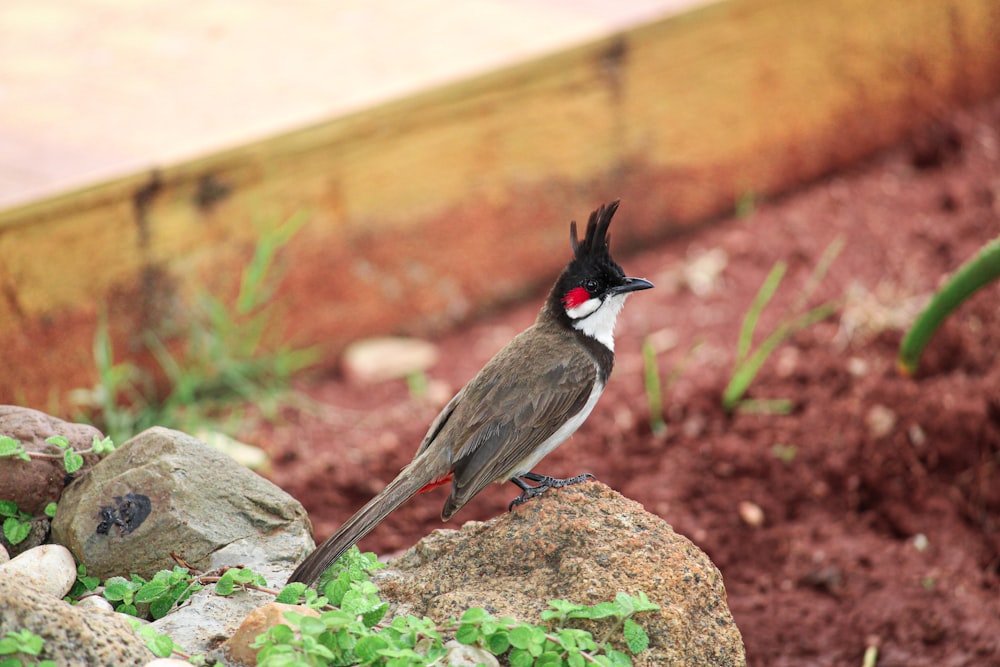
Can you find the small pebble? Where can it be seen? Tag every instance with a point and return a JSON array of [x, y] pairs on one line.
[[168, 662], [4, 556], [460, 655], [880, 421], [380, 359], [95, 602], [751, 513], [49, 568]]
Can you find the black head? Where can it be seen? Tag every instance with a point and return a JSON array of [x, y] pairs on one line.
[[592, 275]]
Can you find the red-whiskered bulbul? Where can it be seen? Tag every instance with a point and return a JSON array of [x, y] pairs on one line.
[[523, 404]]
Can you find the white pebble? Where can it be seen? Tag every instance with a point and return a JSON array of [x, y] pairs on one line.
[[4, 556], [379, 359], [49, 568], [751, 513], [95, 602], [168, 662]]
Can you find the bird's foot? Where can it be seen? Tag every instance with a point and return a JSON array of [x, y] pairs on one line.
[[544, 483]]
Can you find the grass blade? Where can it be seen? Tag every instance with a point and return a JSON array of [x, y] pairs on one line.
[[971, 276], [760, 301]]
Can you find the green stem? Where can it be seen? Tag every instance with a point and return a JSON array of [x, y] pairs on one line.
[[974, 274]]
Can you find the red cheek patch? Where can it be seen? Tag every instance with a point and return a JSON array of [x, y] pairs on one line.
[[575, 297]]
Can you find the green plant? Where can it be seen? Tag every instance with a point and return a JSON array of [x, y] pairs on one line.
[[84, 584], [654, 390], [976, 273], [163, 592], [231, 353], [25, 643], [16, 524], [749, 362], [351, 634], [351, 631]]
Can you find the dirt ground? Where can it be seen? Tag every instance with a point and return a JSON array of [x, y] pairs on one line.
[[878, 495]]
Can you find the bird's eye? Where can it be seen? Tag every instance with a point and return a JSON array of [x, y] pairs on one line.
[[592, 286]]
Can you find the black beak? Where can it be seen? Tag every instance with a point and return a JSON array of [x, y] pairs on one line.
[[631, 285]]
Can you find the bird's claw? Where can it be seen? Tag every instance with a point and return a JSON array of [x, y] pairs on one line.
[[544, 483]]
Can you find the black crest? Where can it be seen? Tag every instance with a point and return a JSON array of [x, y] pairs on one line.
[[595, 245]]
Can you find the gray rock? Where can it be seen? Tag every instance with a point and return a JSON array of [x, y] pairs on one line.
[[165, 492], [34, 484], [583, 543], [207, 620], [72, 636]]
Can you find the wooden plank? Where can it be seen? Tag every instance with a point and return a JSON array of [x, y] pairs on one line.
[[438, 205]]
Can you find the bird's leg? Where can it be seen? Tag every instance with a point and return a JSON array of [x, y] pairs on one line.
[[544, 483]]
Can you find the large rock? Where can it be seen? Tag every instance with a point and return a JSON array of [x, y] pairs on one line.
[[36, 483], [206, 620], [165, 492], [72, 636], [583, 543]]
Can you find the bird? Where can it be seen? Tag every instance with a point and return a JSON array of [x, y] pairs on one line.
[[526, 401]]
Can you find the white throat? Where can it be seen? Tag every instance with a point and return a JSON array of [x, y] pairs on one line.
[[596, 318]]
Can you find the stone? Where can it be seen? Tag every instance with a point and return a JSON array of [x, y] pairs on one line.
[[387, 358], [461, 655], [73, 637], [36, 483], [4, 556], [236, 650], [206, 620], [583, 543], [165, 492], [94, 602], [168, 662], [48, 568]]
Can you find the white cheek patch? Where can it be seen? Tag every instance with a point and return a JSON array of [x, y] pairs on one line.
[[583, 309], [599, 324]]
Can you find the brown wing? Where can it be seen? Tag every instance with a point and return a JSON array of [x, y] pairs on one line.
[[500, 417]]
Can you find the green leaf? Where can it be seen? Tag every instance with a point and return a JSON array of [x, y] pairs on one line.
[[520, 658], [103, 446], [11, 447], [16, 531], [50, 510], [368, 647], [598, 611], [150, 591], [161, 646], [520, 637], [72, 461], [549, 660], [160, 607], [635, 637], [58, 440], [497, 643], [474, 615], [117, 588], [467, 634], [127, 608], [8, 645], [225, 586], [8, 508], [310, 625], [291, 593]]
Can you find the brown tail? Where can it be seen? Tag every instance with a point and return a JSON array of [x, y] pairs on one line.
[[398, 492]]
